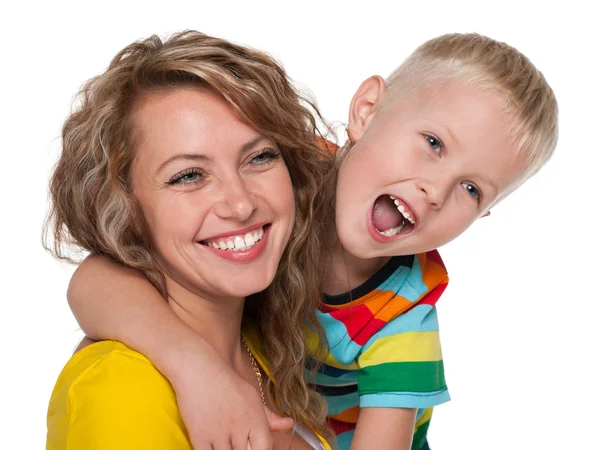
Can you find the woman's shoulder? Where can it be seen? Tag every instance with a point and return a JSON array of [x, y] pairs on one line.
[[114, 390], [107, 362], [106, 369]]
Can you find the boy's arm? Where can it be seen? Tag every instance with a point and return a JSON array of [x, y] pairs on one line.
[[400, 371], [113, 302], [384, 428]]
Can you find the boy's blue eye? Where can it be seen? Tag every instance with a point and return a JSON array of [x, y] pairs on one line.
[[472, 190], [434, 143]]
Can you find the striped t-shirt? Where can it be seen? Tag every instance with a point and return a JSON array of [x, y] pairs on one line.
[[384, 347]]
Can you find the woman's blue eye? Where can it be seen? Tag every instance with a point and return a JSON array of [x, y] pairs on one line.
[[434, 143], [472, 190], [265, 157], [188, 176]]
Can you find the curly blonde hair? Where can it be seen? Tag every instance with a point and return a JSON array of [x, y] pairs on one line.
[[93, 207]]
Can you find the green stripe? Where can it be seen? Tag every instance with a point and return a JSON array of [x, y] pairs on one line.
[[426, 376], [420, 436]]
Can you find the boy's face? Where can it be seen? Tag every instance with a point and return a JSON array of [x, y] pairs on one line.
[[423, 169]]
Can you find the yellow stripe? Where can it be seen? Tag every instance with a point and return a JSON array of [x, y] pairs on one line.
[[424, 418], [414, 346]]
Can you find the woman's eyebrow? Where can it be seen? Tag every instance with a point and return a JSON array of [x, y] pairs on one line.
[[184, 156], [201, 157]]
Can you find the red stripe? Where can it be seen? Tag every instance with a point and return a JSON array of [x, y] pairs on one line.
[[363, 335], [434, 256], [339, 427], [433, 296], [359, 322]]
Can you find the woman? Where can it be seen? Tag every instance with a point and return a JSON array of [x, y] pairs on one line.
[[193, 161]]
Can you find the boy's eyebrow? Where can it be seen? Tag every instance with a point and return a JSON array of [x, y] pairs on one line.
[[450, 133], [200, 157], [489, 182]]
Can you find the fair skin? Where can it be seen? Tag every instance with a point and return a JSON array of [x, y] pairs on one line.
[[201, 176], [445, 155]]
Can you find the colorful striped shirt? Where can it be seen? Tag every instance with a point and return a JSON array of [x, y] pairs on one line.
[[384, 347]]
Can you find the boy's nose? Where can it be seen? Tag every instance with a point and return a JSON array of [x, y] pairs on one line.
[[434, 194]]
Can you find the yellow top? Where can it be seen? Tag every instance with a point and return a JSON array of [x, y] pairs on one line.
[[109, 397]]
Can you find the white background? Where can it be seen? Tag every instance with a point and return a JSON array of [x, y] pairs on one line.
[[519, 320]]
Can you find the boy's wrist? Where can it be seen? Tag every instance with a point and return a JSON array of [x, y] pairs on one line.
[[186, 356]]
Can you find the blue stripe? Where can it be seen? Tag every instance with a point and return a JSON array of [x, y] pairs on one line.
[[341, 346], [334, 372], [337, 404], [350, 377], [344, 440], [407, 283], [404, 399], [396, 280]]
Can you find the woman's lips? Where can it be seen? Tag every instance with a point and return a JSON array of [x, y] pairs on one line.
[[245, 247]]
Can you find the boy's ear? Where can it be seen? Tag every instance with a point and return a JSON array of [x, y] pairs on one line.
[[364, 105]]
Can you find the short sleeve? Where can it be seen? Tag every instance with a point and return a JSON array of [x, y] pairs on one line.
[[401, 366], [120, 402]]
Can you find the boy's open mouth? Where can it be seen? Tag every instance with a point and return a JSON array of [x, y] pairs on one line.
[[392, 216]]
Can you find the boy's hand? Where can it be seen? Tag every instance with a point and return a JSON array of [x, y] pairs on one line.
[[220, 409]]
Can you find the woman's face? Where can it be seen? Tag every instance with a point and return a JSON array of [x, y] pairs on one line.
[[216, 195]]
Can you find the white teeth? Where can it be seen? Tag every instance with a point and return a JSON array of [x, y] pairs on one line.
[[405, 213], [392, 231], [239, 243], [249, 239]]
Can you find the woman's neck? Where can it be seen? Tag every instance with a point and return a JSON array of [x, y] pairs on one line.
[[345, 271], [216, 319]]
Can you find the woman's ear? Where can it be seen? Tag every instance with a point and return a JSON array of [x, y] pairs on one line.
[[364, 105]]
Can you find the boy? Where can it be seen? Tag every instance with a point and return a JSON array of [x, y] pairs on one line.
[[462, 123]]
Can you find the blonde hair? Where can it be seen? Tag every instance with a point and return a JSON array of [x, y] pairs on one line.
[[495, 66], [93, 207]]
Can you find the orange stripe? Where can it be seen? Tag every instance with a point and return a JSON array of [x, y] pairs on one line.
[[432, 273], [348, 416]]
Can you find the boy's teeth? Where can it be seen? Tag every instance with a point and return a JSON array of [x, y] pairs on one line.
[[405, 213], [238, 243], [392, 231]]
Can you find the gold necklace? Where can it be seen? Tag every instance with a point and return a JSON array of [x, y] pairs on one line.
[[256, 371]]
